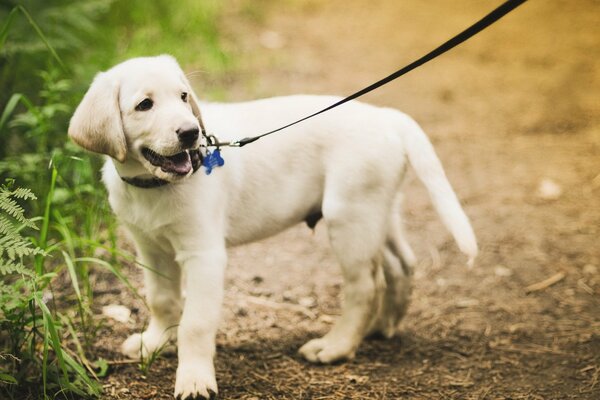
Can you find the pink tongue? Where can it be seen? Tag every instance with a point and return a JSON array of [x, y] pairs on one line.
[[179, 164]]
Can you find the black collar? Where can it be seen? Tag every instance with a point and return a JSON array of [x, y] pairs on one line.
[[145, 183]]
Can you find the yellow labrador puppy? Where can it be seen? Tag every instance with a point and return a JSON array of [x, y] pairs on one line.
[[345, 166]]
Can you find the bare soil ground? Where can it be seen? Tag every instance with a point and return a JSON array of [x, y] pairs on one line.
[[513, 107]]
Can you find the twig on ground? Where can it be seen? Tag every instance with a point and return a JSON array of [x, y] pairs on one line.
[[531, 349], [546, 283], [581, 283], [281, 306], [123, 362]]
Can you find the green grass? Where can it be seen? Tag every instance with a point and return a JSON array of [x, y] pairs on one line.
[[34, 343], [53, 210]]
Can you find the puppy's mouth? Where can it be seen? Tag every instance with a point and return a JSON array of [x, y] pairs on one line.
[[179, 164]]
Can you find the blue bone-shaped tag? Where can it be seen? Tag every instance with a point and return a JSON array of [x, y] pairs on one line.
[[212, 160]]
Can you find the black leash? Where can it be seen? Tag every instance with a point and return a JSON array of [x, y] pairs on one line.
[[213, 159], [471, 31]]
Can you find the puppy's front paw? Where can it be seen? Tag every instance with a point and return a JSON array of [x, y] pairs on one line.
[[327, 350], [196, 381], [141, 345]]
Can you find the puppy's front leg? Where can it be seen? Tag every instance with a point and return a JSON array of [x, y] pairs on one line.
[[199, 323], [163, 296]]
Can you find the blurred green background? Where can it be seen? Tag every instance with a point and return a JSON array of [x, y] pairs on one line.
[[50, 51]]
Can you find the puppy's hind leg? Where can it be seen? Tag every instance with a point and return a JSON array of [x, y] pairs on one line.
[[398, 261], [356, 234]]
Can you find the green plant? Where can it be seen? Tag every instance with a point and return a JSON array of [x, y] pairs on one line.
[[33, 336], [36, 339], [14, 247], [46, 61]]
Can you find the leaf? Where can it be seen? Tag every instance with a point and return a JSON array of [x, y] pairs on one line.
[[4, 30], [72, 274], [41, 35], [9, 108], [8, 379], [116, 272], [102, 365]]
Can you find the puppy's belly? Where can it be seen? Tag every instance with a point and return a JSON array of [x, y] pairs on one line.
[[271, 211], [249, 228]]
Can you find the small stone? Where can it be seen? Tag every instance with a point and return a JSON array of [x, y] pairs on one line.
[[357, 379], [307, 302], [549, 189], [288, 296], [501, 270], [466, 303], [590, 269], [327, 319], [117, 312]]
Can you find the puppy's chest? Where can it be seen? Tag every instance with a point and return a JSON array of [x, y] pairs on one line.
[[150, 213]]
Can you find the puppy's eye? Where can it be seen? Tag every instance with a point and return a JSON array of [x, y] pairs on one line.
[[144, 105], [184, 97]]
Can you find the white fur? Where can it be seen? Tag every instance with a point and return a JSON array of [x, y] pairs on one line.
[[347, 163]]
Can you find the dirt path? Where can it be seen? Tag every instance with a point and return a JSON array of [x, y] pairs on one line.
[[514, 107]]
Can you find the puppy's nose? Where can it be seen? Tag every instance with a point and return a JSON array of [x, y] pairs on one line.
[[188, 135]]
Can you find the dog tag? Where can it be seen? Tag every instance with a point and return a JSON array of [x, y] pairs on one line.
[[212, 160]]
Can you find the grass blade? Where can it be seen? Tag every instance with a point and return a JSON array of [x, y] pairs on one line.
[[72, 274], [6, 27], [50, 328], [41, 35], [112, 269], [12, 104], [9, 108], [39, 260], [5, 378]]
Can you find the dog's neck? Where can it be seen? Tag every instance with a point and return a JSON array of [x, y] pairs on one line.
[[133, 173]]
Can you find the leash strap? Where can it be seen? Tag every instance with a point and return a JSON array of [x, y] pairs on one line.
[[474, 29], [471, 31]]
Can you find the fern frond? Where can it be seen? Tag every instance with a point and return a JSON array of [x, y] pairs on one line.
[[6, 225], [12, 208], [8, 205], [23, 194], [8, 228], [14, 248], [14, 267]]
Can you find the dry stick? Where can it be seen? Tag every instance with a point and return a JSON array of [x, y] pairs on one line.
[[546, 283], [273, 304], [585, 287], [123, 362]]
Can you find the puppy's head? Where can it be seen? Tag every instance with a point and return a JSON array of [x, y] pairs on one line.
[[142, 111]]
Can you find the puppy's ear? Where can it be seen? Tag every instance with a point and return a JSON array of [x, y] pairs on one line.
[[96, 124], [194, 104], [193, 101], [196, 110]]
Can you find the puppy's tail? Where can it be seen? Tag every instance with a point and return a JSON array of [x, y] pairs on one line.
[[429, 169]]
